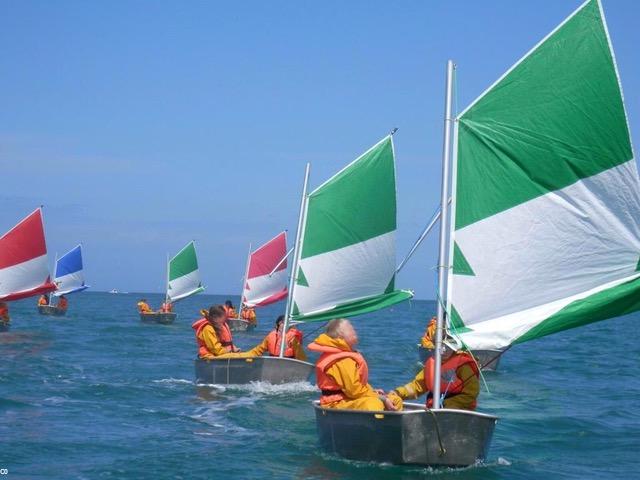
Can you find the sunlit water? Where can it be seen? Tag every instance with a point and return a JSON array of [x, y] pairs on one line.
[[98, 394]]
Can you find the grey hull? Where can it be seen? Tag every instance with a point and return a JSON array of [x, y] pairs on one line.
[[51, 310], [236, 371], [488, 359], [158, 317], [240, 325], [413, 436]]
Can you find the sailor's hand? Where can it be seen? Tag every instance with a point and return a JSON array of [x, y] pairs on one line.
[[379, 391], [388, 404]]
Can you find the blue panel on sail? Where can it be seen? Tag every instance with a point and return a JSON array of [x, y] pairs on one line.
[[70, 262]]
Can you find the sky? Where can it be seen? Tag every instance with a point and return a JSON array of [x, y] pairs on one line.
[[142, 125]]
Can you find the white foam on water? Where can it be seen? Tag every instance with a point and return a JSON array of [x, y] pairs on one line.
[[266, 388], [174, 381]]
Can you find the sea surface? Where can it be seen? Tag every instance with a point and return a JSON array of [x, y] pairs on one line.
[[98, 394]]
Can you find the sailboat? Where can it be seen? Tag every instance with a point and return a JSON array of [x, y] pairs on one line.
[[543, 233], [68, 277], [23, 260], [183, 280], [343, 261], [265, 279]]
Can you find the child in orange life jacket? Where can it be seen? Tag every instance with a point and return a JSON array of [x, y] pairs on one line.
[[4, 314], [460, 385], [342, 373], [271, 343], [214, 338], [229, 310], [429, 335], [43, 300]]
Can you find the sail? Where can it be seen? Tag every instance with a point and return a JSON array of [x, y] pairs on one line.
[[348, 254], [261, 289], [23, 260], [546, 234], [69, 274], [184, 277]]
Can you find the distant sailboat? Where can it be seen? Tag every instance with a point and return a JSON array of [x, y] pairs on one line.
[[23, 260], [265, 280], [69, 278], [183, 280]]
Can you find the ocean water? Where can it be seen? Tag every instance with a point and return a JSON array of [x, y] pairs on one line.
[[97, 394]]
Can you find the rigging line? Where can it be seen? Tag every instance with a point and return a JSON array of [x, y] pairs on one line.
[[314, 331]]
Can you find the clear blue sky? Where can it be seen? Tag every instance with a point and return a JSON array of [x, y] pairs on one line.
[[141, 125]]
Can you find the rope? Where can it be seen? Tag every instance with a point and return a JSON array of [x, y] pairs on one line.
[[435, 422], [314, 331]]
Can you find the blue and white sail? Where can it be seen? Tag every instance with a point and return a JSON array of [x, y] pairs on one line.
[[69, 274]]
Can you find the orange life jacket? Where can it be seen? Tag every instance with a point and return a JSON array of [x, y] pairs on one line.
[[273, 344], [248, 314], [331, 390], [224, 339], [4, 312], [62, 303], [451, 365], [43, 301], [230, 311], [166, 307], [143, 307]]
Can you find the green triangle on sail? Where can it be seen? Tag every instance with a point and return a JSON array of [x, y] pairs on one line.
[[295, 311], [301, 279], [184, 262], [392, 285], [460, 264], [638, 265], [455, 322], [184, 277]]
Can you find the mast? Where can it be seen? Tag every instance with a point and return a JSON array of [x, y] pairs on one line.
[[444, 224], [293, 277], [166, 295], [55, 268], [244, 282]]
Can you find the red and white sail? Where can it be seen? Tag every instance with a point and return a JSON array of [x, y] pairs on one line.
[[261, 288], [24, 270]]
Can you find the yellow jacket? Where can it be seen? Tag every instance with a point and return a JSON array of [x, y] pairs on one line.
[[345, 374], [463, 400], [429, 334], [144, 308], [210, 339]]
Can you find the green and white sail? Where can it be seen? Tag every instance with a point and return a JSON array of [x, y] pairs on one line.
[[184, 276], [546, 208], [348, 254]]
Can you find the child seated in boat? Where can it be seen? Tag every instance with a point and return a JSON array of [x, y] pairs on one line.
[[4, 314], [342, 372], [43, 300], [271, 343], [229, 310], [214, 338], [63, 303], [249, 314], [166, 307], [143, 306], [429, 335], [460, 384]]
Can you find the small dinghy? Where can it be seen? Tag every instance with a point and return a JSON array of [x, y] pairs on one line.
[[234, 371], [415, 436], [264, 282], [158, 317], [69, 278], [52, 310], [488, 360], [240, 325], [183, 280]]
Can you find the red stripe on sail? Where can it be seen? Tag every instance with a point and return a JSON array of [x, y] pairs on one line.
[[23, 242], [46, 287], [273, 298], [265, 258]]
